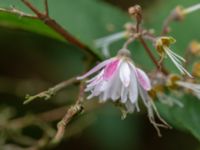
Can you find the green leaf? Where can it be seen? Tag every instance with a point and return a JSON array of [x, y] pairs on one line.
[[16, 22], [186, 118], [86, 20]]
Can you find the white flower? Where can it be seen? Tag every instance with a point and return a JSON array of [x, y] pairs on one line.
[[162, 45], [119, 80], [195, 88], [105, 42]]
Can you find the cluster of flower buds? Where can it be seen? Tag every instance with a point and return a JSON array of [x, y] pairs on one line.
[[120, 81]]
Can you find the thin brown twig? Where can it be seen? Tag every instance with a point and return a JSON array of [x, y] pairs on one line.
[[71, 113], [166, 23], [136, 12], [187, 58], [59, 29], [159, 66], [175, 15], [48, 116], [51, 91]]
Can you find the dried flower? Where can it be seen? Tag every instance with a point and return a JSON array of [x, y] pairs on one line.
[[162, 45], [193, 87], [175, 82], [161, 85], [180, 12]]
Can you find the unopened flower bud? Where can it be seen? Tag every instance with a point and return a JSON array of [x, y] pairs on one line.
[[134, 10], [194, 48], [178, 13], [129, 27], [196, 69]]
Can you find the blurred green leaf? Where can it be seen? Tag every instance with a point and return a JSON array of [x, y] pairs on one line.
[[86, 20], [16, 22], [109, 131], [186, 118]]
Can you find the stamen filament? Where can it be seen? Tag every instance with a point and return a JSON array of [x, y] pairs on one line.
[[192, 9]]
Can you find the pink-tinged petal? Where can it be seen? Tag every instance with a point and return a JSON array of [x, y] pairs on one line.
[[110, 69], [95, 69], [97, 80], [143, 79], [101, 87], [125, 73]]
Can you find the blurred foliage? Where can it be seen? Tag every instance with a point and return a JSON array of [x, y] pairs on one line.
[[184, 118], [33, 58]]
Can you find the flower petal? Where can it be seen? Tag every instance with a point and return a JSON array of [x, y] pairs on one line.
[[143, 79], [97, 79], [133, 88], [98, 76], [110, 69], [115, 89], [124, 74], [95, 69], [124, 94]]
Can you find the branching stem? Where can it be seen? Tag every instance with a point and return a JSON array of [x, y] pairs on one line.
[[70, 114], [148, 50], [57, 27], [51, 91]]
